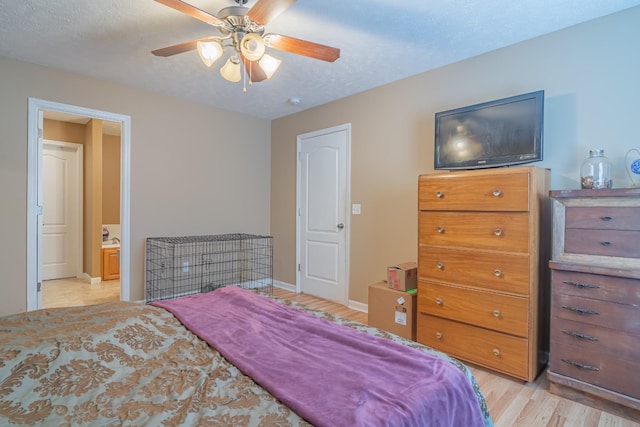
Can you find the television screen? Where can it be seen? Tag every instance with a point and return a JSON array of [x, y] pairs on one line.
[[497, 133]]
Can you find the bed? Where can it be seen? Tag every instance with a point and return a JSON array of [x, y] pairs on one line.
[[125, 363]]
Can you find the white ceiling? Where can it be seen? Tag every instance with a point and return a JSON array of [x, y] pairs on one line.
[[380, 40]]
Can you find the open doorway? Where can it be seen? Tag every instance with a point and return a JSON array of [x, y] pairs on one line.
[[69, 277], [105, 125]]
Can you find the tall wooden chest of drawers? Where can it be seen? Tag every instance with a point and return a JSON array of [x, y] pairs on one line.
[[595, 298], [482, 267]]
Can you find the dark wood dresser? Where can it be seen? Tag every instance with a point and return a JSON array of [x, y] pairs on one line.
[[595, 299]]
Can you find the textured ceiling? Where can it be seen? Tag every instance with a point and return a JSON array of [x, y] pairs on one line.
[[380, 40]]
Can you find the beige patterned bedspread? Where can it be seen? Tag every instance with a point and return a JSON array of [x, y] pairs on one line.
[[129, 364], [122, 364]]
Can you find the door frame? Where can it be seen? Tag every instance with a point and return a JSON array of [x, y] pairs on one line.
[[347, 202], [79, 151], [34, 192]]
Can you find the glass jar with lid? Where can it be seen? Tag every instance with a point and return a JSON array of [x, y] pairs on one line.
[[595, 172]]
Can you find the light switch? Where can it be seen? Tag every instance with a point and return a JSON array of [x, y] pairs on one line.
[[355, 209]]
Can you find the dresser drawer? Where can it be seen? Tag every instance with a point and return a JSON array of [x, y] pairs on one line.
[[501, 313], [478, 230], [620, 317], [596, 368], [596, 286], [505, 273], [613, 243], [491, 349], [603, 217], [584, 336], [597, 228], [482, 193]]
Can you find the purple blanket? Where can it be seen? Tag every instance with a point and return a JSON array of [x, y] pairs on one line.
[[329, 374]]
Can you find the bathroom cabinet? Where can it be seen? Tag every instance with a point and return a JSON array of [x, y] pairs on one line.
[[110, 266]]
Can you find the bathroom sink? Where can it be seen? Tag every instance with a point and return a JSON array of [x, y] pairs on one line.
[[110, 245]]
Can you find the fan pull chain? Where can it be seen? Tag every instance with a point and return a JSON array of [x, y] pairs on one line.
[[244, 80]]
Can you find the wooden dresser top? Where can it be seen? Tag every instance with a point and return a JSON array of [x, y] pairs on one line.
[[608, 192]]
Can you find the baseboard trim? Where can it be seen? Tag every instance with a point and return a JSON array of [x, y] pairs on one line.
[[92, 280], [359, 306], [283, 285], [354, 305]]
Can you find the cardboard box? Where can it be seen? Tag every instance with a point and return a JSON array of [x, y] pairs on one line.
[[393, 311], [403, 277]]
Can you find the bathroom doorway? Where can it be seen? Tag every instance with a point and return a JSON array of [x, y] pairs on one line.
[[38, 110]]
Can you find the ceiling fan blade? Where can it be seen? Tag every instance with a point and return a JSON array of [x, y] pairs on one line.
[[302, 47], [176, 49], [253, 70], [194, 12], [264, 11], [181, 47]]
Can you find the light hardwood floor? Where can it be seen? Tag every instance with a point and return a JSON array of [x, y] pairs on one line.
[[510, 402]]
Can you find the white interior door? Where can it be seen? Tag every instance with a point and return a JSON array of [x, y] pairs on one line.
[[323, 222], [61, 201]]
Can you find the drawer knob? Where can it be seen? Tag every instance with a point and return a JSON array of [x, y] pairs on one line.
[[497, 273], [496, 352], [606, 218], [441, 230], [497, 232], [496, 313], [496, 193], [605, 243], [439, 335], [438, 301], [439, 194], [581, 285], [440, 266], [580, 365]]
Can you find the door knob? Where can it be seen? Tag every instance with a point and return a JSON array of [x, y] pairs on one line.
[[340, 226]]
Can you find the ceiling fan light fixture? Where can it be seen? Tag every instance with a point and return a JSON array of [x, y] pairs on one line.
[[269, 64], [252, 46], [209, 51], [243, 29], [232, 71]]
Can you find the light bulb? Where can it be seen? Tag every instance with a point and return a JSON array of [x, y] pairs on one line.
[[269, 65], [231, 70], [209, 51], [252, 46]]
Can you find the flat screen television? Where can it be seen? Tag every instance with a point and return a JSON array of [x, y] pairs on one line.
[[503, 132]]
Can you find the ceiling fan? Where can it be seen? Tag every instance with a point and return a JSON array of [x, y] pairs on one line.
[[243, 29]]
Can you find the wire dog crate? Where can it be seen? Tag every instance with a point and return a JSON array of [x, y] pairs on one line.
[[178, 266]]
